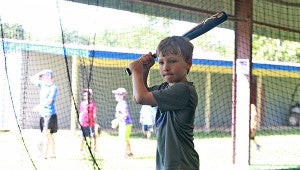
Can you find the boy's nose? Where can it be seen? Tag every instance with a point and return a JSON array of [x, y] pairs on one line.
[[166, 67]]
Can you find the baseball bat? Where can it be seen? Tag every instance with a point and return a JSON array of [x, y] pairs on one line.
[[200, 29]]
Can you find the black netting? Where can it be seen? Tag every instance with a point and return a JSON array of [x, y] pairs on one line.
[[88, 44]]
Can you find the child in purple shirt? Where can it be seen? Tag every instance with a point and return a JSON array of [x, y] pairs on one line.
[[122, 116]]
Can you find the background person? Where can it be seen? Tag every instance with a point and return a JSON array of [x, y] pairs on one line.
[[87, 118], [254, 125], [147, 118], [122, 116], [46, 108]]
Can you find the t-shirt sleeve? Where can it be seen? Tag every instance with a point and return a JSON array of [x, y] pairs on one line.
[[53, 93], [172, 98]]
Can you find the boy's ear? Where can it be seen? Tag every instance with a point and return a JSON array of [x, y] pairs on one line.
[[190, 62], [189, 65]]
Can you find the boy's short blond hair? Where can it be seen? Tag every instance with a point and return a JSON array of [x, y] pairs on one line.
[[176, 45]]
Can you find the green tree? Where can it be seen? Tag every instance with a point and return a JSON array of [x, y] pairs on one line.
[[74, 37], [13, 31], [208, 43], [265, 48], [144, 37]]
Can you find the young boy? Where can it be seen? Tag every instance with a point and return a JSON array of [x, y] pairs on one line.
[[176, 99]]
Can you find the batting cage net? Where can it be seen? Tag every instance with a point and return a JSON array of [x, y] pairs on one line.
[[85, 47]]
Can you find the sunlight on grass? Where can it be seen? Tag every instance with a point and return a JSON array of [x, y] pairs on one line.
[[278, 152]]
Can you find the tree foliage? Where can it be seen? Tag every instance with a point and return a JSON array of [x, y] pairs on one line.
[[208, 43], [147, 36], [264, 48], [143, 37], [13, 31], [74, 37]]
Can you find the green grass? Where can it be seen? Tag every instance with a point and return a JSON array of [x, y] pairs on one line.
[[289, 131], [280, 150]]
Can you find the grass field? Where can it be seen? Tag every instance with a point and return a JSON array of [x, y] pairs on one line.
[[277, 152]]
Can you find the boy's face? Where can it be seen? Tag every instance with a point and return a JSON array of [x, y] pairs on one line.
[[85, 95], [47, 78], [173, 68], [119, 97]]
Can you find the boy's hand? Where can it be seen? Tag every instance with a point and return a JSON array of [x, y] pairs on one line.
[[36, 108], [142, 64]]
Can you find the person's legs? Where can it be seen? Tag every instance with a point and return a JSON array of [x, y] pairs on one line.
[[85, 134], [48, 126], [46, 140], [44, 136], [122, 140], [257, 145], [127, 139], [97, 130], [53, 145], [41, 140], [95, 144], [82, 144], [42, 123], [252, 137], [149, 131], [52, 127], [93, 135], [145, 127], [49, 142], [148, 134]]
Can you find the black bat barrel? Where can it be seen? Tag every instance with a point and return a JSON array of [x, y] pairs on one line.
[[206, 25], [200, 29]]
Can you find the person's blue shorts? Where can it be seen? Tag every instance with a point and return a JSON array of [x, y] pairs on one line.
[[88, 132], [147, 128]]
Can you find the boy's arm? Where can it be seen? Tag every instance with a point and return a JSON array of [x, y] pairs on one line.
[[140, 70], [95, 111], [50, 99], [52, 96], [35, 79]]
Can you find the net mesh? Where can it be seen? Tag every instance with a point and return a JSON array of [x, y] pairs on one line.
[[89, 44]]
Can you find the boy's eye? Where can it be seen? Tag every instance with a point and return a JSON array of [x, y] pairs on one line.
[[172, 61], [169, 62]]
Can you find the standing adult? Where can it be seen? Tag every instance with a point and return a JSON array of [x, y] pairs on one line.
[[46, 109]]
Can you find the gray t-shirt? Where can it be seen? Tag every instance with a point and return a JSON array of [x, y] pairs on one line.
[[174, 124]]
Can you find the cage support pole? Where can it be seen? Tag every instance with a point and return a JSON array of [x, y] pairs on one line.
[[75, 93], [241, 84]]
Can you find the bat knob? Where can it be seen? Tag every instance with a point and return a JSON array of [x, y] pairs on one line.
[[127, 70]]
